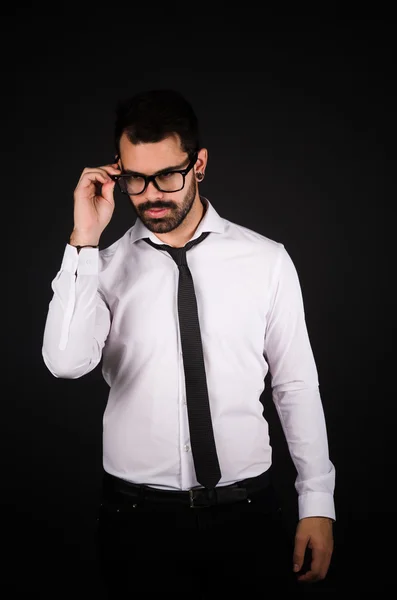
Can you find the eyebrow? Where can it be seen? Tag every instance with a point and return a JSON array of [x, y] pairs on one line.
[[174, 168]]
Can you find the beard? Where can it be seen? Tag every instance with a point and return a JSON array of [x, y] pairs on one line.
[[174, 218]]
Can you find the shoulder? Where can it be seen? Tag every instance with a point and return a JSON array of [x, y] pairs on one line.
[[270, 249], [116, 250]]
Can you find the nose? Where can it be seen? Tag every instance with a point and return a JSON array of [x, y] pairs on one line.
[[152, 193]]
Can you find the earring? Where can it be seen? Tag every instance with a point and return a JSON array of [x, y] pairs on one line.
[[200, 176]]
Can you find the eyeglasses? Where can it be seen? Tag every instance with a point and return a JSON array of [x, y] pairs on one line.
[[166, 181]]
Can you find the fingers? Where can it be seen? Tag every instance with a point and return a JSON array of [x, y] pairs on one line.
[[313, 548], [112, 169], [319, 566], [99, 174], [301, 541]]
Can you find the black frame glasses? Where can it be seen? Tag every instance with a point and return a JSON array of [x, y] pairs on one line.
[[149, 178]]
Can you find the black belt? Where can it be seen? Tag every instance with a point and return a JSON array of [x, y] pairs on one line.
[[133, 493]]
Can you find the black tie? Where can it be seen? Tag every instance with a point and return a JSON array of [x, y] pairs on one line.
[[205, 458]]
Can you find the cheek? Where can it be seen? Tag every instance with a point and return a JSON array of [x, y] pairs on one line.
[[192, 187], [135, 203]]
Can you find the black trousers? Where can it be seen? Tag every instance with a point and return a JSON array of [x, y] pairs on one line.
[[148, 547]]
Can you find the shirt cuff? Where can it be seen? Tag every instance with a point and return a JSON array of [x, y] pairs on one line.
[[85, 262], [316, 504]]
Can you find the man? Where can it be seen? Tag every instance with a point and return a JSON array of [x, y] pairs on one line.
[[189, 312]]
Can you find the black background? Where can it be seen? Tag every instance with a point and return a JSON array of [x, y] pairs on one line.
[[296, 114]]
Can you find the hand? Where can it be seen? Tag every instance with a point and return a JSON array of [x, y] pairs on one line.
[[315, 533], [94, 202]]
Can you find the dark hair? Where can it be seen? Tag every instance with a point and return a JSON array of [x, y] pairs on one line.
[[153, 115]]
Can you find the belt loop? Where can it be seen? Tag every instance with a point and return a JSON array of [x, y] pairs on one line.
[[141, 495], [212, 496]]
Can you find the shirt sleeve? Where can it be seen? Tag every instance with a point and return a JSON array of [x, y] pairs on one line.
[[78, 319], [295, 392]]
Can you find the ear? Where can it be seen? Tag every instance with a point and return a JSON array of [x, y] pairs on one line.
[[201, 163]]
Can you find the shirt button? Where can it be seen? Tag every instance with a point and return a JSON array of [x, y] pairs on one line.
[[186, 447]]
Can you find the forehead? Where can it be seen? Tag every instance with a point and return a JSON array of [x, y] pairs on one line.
[[152, 157]]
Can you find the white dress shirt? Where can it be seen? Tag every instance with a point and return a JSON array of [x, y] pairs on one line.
[[120, 304]]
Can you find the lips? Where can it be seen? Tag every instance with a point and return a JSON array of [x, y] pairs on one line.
[[157, 212]]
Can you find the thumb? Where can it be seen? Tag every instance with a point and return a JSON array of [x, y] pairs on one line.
[[299, 552], [108, 189]]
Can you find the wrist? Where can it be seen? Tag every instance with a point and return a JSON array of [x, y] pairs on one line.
[[82, 240], [329, 519]]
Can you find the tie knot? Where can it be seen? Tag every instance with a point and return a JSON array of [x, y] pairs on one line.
[[178, 254]]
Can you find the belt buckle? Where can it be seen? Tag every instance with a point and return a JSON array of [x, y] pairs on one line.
[[194, 495]]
